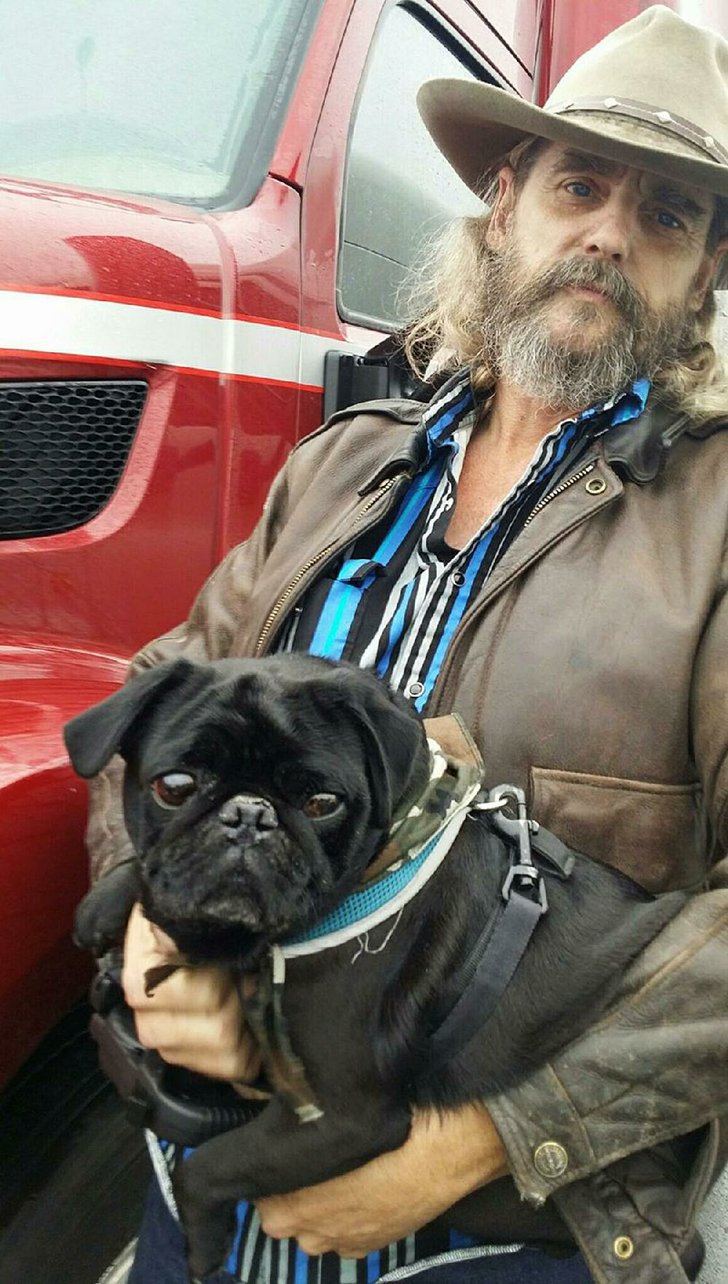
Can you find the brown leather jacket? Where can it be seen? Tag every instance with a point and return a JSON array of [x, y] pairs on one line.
[[593, 671]]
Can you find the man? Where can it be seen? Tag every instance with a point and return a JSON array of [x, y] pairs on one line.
[[541, 549]]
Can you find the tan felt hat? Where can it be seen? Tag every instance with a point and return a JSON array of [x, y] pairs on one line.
[[653, 94]]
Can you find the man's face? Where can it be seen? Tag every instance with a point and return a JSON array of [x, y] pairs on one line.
[[600, 269]]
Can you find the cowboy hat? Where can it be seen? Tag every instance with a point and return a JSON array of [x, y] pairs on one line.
[[653, 94]]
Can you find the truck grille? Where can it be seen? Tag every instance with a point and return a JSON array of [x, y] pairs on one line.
[[63, 447]]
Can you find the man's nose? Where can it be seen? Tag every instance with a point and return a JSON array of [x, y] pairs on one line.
[[609, 233], [245, 812]]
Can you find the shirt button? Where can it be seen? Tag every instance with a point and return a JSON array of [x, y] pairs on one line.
[[623, 1248], [595, 486], [458, 578], [550, 1159], [415, 688]]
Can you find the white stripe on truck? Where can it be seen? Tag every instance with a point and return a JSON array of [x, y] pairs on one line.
[[100, 329]]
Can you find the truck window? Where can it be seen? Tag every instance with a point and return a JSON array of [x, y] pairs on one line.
[[398, 189], [168, 98]]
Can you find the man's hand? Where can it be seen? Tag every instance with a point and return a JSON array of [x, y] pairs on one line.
[[444, 1158], [194, 1018]]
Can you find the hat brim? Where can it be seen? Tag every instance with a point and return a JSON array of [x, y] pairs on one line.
[[476, 125]]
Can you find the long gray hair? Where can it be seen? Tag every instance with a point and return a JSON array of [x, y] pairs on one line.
[[448, 299]]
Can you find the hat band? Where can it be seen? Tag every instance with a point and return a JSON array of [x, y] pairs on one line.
[[648, 115]]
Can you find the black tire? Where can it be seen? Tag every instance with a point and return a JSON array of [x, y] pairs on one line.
[[74, 1171]]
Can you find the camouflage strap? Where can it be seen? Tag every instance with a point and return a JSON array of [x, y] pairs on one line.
[[450, 781], [264, 1013]]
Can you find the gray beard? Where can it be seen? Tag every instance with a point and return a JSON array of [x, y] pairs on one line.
[[517, 344]]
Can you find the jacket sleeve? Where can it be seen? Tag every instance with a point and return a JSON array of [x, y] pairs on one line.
[[206, 635], [654, 1066]]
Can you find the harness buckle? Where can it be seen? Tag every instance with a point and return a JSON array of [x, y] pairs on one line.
[[519, 826], [528, 883], [523, 873]]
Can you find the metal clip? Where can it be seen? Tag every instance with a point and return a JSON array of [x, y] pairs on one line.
[[488, 804], [518, 826], [524, 873]]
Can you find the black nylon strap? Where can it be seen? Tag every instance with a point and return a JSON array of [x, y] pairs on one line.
[[502, 955], [560, 858]]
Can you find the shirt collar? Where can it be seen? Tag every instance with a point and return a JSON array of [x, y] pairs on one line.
[[627, 404], [456, 400], [449, 407]]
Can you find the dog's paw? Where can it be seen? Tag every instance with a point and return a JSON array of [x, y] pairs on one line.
[[94, 928], [209, 1228], [101, 917], [209, 1243]]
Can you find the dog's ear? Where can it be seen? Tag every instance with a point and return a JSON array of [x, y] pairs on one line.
[[397, 759], [93, 737]]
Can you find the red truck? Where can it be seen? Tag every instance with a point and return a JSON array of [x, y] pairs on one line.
[[207, 221]]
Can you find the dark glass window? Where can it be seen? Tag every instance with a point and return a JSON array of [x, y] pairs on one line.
[[399, 190]]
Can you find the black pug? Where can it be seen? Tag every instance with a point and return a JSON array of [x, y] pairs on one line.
[[256, 795]]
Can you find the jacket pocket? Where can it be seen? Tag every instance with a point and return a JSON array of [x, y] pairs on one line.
[[650, 832]]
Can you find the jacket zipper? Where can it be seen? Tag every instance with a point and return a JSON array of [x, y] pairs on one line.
[[323, 554], [558, 490]]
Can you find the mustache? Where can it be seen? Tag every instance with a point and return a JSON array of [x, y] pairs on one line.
[[596, 274]]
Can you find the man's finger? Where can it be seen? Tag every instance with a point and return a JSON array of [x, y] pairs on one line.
[[220, 1049], [163, 943], [200, 991]]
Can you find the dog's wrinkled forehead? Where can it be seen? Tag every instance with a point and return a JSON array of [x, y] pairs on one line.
[[247, 722], [238, 714]]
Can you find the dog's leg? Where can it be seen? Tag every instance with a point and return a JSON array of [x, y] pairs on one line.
[[102, 915], [272, 1155]]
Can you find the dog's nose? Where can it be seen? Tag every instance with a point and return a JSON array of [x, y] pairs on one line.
[[246, 812]]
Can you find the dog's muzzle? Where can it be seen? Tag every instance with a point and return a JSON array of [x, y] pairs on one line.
[[246, 817]]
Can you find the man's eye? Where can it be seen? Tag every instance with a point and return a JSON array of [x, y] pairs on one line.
[[319, 805], [173, 789], [577, 188], [667, 219]]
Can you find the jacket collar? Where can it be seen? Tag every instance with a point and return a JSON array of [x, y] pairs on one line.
[[636, 449], [411, 451]]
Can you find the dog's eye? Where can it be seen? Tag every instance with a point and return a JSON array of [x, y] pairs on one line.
[[320, 805], [174, 788]]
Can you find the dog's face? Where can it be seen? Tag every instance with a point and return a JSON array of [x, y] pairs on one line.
[[256, 792]]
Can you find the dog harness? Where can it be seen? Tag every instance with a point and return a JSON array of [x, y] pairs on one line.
[[454, 792]]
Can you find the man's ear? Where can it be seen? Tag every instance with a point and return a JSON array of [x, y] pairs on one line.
[[502, 208], [93, 737], [712, 274]]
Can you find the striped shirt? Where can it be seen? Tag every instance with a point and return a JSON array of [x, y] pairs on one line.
[[392, 604]]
